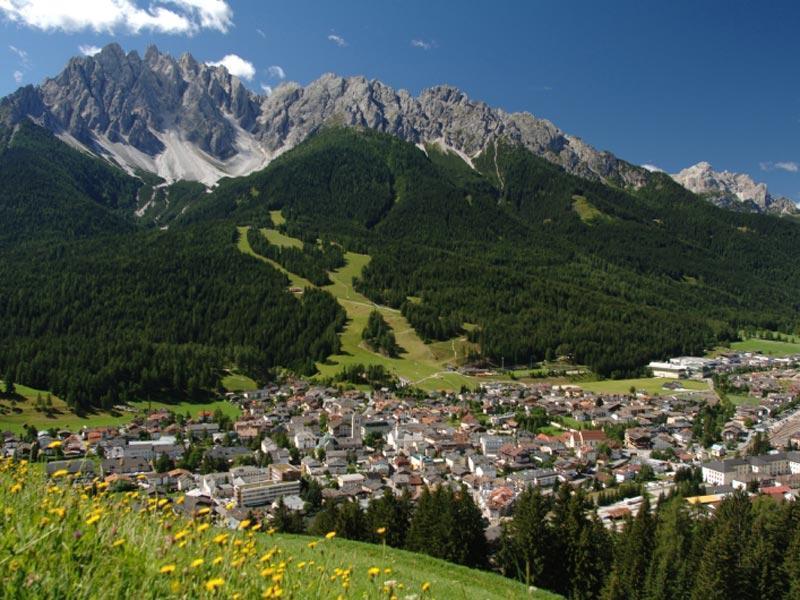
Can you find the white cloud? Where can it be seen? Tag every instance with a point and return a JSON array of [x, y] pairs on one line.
[[276, 72], [18, 76], [261, 33], [338, 40], [236, 65], [652, 168], [790, 166], [267, 89], [21, 54], [89, 50], [133, 16], [786, 165], [422, 44]]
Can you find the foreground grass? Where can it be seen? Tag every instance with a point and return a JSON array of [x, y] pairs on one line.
[[59, 540]]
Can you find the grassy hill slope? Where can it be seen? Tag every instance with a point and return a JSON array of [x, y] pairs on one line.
[[59, 541]]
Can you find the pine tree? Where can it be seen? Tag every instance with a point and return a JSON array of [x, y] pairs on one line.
[[525, 545], [392, 514], [632, 556], [721, 575], [791, 566], [670, 574], [285, 520]]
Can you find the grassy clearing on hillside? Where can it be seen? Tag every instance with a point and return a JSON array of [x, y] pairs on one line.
[[587, 212], [418, 364], [64, 541], [193, 408], [236, 382], [284, 241], [649, 385], [244, 246], [15, 414]]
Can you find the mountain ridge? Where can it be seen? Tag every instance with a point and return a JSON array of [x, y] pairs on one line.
[[184, 120], [155, 112]]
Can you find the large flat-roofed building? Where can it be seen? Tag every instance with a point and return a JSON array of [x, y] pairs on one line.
[[260, 493], [667, 370], [256, 487], [766, 466]]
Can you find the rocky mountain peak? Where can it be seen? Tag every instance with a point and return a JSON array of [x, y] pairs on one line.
[[732, 190]]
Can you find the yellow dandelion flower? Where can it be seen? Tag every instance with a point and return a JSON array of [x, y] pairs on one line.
[[182, 544], [180, 499], [387, 571], [256, 527], [93, 519], [312, 544], [58, 511], [197, 562], [373, 572], [330, 535], [17, 487], [118, 543], [166, 569], [59, 473], [217, 560], [203, 511], [54, 444], [202, 527], [380, 530], [181, 534], [213, 584], [244, 524], [221, 538], [426, 586], [230, 505]]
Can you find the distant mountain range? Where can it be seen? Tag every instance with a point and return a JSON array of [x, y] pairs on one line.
[[736, 191], [185, 120]]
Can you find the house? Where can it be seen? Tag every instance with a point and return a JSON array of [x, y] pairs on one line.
[[305, 440], [586, 437], [638, 438], [73, 467], [491, 444]]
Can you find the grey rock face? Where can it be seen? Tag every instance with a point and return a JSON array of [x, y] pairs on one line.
[[115, 100], [735, 191]]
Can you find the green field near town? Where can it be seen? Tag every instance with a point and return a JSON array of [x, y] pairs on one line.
[[768, 347], [22, 411], [16, 413], [648, 385]]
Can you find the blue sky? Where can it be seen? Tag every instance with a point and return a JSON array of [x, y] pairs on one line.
[[668, 83]]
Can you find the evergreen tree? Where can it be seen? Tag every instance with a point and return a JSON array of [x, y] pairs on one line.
[[670, 573], [721, 574], [9, 388], [632, 556], [285, 520], [791, 566], [392, 514], [526, 542]]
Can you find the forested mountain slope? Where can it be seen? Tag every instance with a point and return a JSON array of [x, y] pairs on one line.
[[527, 260], [50, 190], [542, 261]]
